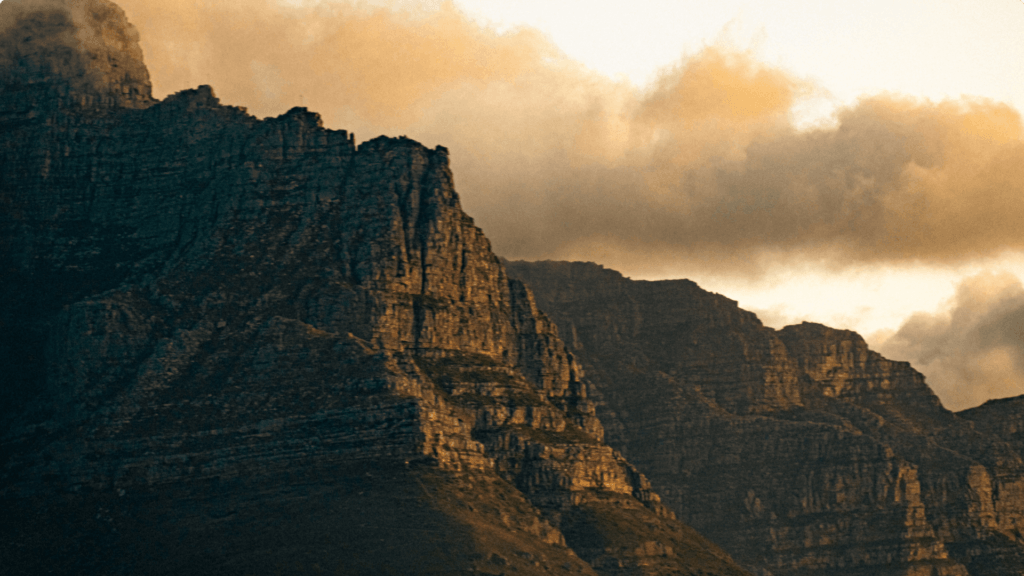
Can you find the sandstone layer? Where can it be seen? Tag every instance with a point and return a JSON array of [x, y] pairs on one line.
[[799, 451], [244, 346]]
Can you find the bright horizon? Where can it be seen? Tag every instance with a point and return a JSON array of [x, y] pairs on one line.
[[946, 49]]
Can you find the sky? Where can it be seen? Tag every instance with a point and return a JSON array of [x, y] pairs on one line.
[[936, 49], [932, 314], [855, 164]]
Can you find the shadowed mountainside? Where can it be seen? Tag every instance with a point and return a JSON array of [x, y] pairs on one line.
[[242, 346], [800, 451]]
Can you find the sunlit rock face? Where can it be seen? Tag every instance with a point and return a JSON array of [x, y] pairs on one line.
[[800, 451], [243, 346]]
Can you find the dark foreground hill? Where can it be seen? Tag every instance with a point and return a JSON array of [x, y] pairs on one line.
[[800, 451], [242, 346]]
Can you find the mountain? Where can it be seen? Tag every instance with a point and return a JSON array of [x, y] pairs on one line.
[[800, 451], [244, 346]]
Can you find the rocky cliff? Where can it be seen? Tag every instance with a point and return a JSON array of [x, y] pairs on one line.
[[800, 451], [243, 346]]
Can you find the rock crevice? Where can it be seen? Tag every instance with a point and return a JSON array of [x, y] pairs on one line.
[[800, 451], [252, 346]]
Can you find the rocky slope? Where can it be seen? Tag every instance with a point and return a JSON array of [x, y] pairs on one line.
[[800, 451], [243, 346]]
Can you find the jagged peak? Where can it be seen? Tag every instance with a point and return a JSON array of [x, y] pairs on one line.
[[201, 96], [85, 50], [816, 331], [304, 116], [573, 269], [385, 142]]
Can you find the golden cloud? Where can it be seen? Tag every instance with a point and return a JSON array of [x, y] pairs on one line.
[[974, 350], [702, 171]]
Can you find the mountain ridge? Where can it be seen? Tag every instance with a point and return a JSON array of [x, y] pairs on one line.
[[244, 346], [800, 451]]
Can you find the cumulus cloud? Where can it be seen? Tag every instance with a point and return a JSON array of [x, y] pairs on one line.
[[703, 171], [972, 351]]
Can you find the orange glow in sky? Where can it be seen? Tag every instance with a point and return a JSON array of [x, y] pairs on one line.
[[850, 163], [928, 48]]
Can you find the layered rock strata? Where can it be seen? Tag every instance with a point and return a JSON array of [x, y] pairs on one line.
[[243, 346], [800, 451]]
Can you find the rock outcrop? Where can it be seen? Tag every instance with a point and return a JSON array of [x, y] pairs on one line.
[[800, 451], [243, 346]]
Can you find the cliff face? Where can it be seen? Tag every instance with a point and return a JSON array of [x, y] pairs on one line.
[[244, 346], [800, 451]]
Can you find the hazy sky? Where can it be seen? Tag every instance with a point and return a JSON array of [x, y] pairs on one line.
[[937, 49], [847, 50], [859, 164]]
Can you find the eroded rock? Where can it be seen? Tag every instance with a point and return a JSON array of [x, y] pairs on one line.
[[252, 346], [800, 451]]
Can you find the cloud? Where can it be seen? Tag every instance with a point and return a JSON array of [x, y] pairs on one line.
[[349, 60], [88, 42], [972, 351], [701, 172]]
